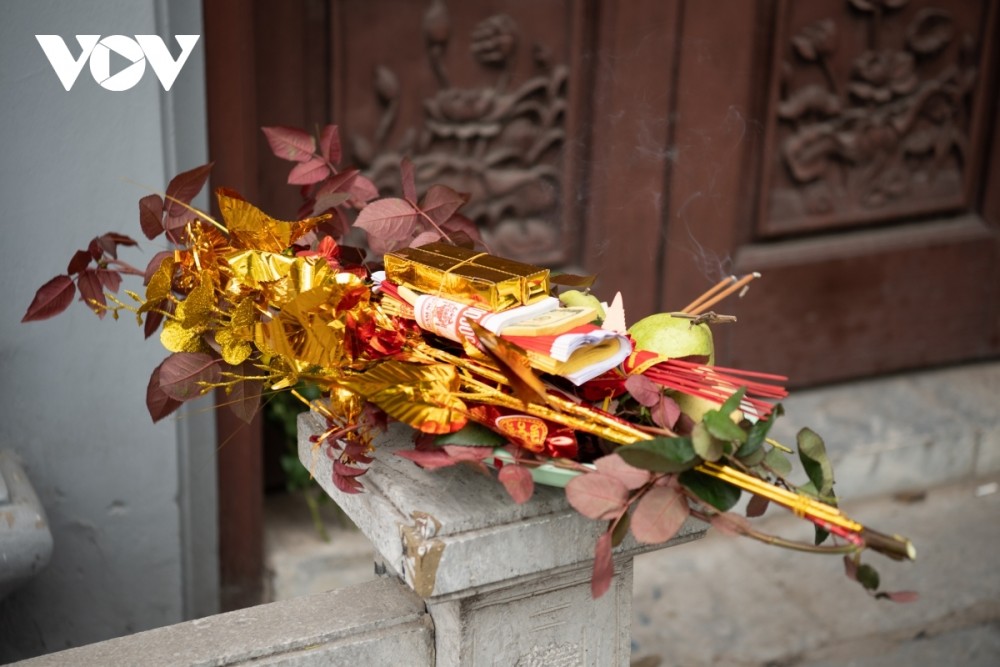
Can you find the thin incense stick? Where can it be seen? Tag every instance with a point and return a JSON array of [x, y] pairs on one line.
[[729, 280], [735, 287]]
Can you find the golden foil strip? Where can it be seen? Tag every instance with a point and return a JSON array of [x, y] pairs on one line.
[[467, 276]]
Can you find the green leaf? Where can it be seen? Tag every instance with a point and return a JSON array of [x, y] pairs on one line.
[[661, 454], [704, 444], [722, 427], [620, 531], [471, 435], [868, 576], [733, 402], [720, 495], [812, 453], [758, 433], [821, 535], [778, 462]]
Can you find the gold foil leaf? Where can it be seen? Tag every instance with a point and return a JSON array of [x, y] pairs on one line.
[[198, 308], [235, 349], [176, 338], [159, 285], [425, 397], [249, 227], [302, 332]]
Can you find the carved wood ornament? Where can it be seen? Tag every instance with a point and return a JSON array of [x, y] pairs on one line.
[[499, 140], [872, 112]]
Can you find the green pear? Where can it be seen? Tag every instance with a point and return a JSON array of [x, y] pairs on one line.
[[673, 337]]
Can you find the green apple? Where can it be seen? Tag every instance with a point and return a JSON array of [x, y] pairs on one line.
[[673, 337]]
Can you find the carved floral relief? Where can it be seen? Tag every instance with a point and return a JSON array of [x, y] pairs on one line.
[[499, 139], [873, 113]]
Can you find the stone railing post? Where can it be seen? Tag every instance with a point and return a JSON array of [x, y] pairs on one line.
[[505, 584]]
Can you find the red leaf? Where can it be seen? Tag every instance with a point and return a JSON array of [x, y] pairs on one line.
[[341, 468], [604, 566], [329, 144], [430, 459], [596, 495], [666, 412], [182, 374], [112, 280], [851, 568], [289, 143], [51, 299], [388, 220], [659, 514], [92, 291], [244, 399], [728, 523], [184, 187], [326, 202], [109, 243], [441, 202], [615, 466], [458, 225], [463, 453], [423, 238], [157, 402], [152, 323], [81, 260], [151, 215], [518, 482], [309, 172], [338, 183], [346, 484], [363, 190], [409, 180], [757, 506], [643, 390]]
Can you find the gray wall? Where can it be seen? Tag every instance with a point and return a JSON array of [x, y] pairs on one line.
[[131, 504]]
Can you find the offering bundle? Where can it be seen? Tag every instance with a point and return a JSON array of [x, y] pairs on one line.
[[493, 363]]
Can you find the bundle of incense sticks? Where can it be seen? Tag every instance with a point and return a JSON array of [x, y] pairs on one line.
[[716, 383], [724, 288]]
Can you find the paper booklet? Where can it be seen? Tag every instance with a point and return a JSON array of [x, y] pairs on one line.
[[578, 355]]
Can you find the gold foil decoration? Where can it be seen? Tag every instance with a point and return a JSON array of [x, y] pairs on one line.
[[198, 309], [234, 340], [466, 276], [159, 285], [425, 397], [249, 227], [177, 338]]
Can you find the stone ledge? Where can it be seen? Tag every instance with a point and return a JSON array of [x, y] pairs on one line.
[[373, 623]]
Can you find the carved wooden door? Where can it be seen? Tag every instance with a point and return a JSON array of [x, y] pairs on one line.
[[843, 148]]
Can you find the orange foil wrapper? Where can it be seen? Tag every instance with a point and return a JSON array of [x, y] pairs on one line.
[[470, 277]]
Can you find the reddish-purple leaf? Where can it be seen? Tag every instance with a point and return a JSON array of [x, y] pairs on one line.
[[95, 249], [51, 299], [346, 484], [604, 567], [851, 568], [666, 412], [659, 514], [109, 243], [423, 238], [728, 523], [151, 215], [899, 596], [91, 291], [152, 323], [324, 203], [157, 402], [596, 495], [518, 482], [463, 453], [643, 390], [458, 225], [362, 191], [81, 260], [244, 398], [338, 183], [615, 466], [174, 222], [388, 220], [289, 143], [757, 506], [184, 187], [409, 180], [329, 144], [430, 459], [111, 279], [183, 374], [441, 202], [341, 468], [308, 172]]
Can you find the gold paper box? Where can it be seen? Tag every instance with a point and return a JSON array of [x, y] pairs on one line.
[[464, 275]]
